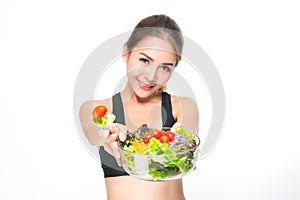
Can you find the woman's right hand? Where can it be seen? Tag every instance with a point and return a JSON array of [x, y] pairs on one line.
[[110, 141]]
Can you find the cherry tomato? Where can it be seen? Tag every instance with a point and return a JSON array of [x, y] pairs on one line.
[[157, 133], [99, 112], [170, 135], [147, 137], [164, 133], [164, 139]]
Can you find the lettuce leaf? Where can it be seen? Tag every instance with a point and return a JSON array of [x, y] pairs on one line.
[[154, 145], [189, 135], [107, 119]]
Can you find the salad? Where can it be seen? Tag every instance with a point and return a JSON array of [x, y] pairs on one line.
[[101, 117], [159, 154]]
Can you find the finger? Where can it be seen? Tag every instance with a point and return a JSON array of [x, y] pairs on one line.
[[122, 132], [112, 134], [113, 137], [176, 125], [122, 136], [106, 134], [113, 128]]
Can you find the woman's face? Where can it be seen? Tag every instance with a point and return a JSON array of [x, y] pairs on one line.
[[149, 65]]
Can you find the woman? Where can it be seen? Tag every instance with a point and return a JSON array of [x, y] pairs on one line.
[[151, 54]]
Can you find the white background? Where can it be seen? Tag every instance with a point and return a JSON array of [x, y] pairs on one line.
[[255, 46]]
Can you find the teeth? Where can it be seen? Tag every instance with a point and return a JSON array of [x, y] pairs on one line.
[[146, 85]]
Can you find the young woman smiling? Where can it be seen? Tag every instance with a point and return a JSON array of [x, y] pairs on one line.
[[151, 54]]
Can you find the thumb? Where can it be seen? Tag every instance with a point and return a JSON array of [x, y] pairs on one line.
[[122, 132], [176, 125]]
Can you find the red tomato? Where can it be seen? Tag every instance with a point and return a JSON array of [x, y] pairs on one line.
[[147, 137], [164, 133], [99, 112], [164, 139], [170, 135], [157, 133]]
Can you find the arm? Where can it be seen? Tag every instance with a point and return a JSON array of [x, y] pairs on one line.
[[96, 136], [91, 131]]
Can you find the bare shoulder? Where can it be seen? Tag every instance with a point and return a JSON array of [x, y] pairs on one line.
[[185, 111], [183, 102]]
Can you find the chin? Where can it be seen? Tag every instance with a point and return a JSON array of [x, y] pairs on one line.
[[140, 93]]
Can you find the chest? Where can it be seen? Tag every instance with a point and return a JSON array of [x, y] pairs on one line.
[[135, 116]]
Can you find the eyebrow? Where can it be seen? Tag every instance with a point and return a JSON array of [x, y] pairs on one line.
[[151, 59]]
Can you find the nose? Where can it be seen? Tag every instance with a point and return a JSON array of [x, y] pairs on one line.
[[150, 73]]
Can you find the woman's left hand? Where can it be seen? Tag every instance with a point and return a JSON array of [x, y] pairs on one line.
[[176, 125]]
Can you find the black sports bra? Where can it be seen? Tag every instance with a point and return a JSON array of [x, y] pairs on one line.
[[108, 162]]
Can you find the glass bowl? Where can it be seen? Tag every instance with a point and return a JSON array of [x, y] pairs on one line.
[[161, 161]]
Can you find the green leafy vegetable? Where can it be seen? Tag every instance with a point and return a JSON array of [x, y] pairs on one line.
[[154, 145], [105, 120], [164, 159], [189, 135]]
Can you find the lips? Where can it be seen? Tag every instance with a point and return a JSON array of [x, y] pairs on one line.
[[145, 86]]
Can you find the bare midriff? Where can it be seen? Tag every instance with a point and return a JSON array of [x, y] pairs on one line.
[[126, 187]]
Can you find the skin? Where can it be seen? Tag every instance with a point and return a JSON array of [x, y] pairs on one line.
[[149, 67]]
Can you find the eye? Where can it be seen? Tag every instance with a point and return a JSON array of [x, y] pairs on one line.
[[166, 68], [144, 60]]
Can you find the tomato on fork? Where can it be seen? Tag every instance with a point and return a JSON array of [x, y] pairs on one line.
[[99, 112]]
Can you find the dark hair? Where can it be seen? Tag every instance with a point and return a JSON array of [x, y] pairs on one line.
[[160, 26]]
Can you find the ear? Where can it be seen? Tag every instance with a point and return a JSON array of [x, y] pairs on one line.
[[125, 53]]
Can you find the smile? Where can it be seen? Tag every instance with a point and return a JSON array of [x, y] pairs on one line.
[[145, 86]]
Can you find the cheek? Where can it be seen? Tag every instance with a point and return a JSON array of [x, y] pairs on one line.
[[134, 71], [132, 66], [162, 79]]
